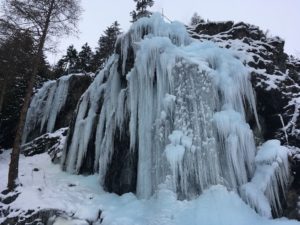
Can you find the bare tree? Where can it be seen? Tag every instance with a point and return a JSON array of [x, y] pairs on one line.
[[44, 19]]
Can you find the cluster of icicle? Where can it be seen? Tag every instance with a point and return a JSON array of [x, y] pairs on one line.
[[271, 177], [185, 101], [45, 106]]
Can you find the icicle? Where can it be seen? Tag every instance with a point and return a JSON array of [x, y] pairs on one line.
[[45, 106], [87, 110], [270, 180], [37, 107], [237, 147]]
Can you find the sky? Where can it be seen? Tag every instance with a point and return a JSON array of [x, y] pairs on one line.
[[279, 17]]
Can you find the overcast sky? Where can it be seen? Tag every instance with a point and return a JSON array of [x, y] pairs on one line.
[[280, 17]]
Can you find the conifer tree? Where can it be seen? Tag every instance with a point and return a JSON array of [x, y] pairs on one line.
[[16, 53], [68, 63], [141, 9], [106, 45], [85, 58]]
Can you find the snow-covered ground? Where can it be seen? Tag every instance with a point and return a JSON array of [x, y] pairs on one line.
[[82, 196]]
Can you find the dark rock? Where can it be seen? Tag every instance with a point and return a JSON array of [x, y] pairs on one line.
[[275, 103], [34, 218], [276, 80], [9, 197], [121, 175], [292, 209], [35, 170], [43, 217], [77, 86], [213, 27], [51, 143]]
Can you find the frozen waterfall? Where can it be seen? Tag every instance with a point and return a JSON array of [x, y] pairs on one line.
[[182, 104], [45, 106]]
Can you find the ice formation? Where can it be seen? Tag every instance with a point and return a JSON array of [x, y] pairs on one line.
[[270, 178], [45, 106], [184, 103]]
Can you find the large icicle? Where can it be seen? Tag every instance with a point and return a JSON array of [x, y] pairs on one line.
[[52, 105], [184, 105], [266, 189], [45, 106]]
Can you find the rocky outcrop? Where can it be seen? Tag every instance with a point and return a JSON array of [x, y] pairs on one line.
[[52, 143], [275, 77], [53, 105], [45, 217]]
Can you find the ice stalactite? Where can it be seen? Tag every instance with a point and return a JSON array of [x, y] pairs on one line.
[[102, 92], [182, 103], [265, 190], [45, 106]]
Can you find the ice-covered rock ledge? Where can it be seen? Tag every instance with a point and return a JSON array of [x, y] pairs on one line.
[[52, 106]]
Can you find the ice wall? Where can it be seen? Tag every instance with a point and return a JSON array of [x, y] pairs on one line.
[[45, 107], [184, 105]]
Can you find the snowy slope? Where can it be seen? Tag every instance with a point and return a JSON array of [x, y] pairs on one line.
[[81, 197]]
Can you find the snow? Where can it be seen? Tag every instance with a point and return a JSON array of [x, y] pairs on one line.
[[50, 188]]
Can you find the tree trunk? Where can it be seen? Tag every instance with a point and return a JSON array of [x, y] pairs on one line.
[[15, 155], [2, 94]]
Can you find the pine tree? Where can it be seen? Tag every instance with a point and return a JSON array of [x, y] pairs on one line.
[[106, 45], [71, 59], [141, 9], [68, 63], [16, 53], [85, 58]]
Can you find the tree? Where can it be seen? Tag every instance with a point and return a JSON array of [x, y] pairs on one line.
[[106, 45], [42, 19], [68, 63], [85, 58], [15, 52], [141, 9], [196, 19]]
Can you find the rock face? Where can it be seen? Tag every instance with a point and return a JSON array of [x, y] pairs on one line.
[[45, 217], [169, 109], [53, 105], [52, 143], [275, 77]]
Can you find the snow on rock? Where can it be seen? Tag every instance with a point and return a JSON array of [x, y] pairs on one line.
[[274, 74], [271, 176]]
